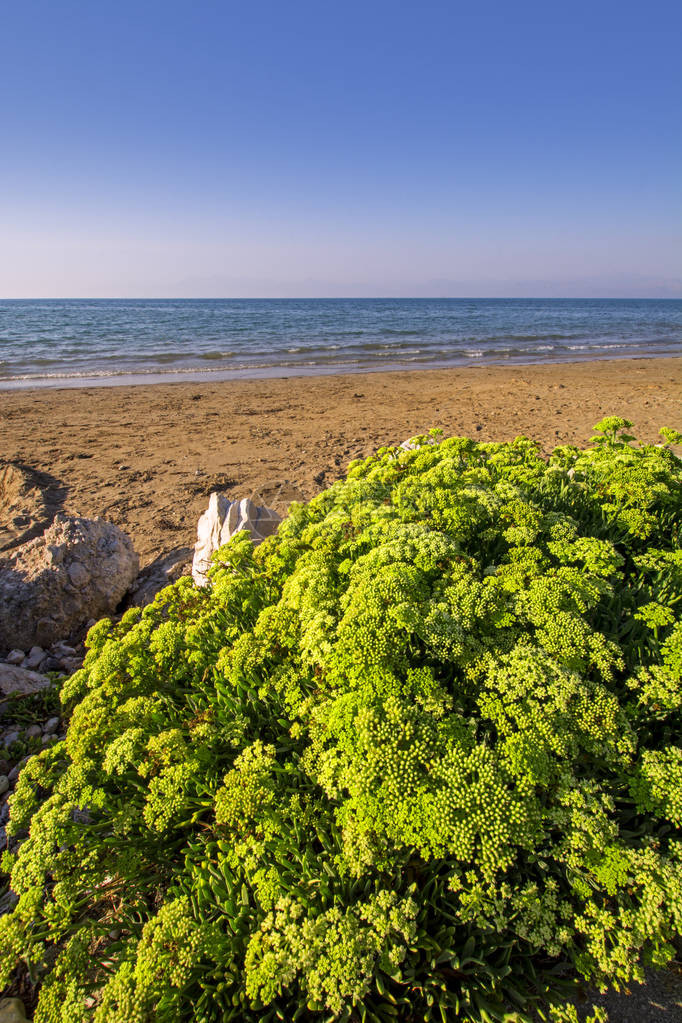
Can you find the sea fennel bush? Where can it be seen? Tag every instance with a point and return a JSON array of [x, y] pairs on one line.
[[416, 757]]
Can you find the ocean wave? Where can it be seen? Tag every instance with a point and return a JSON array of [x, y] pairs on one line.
[[594, 347], [67, 342]]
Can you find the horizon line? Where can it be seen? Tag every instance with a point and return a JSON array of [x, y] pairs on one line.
[[344, 298]]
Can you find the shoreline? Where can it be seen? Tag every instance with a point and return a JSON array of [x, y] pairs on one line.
[[207, 376], [146, 456]]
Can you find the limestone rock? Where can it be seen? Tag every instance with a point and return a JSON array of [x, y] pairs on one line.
[[14, 679], [219, 523], [166, 569], [44, 597], [413, 443]]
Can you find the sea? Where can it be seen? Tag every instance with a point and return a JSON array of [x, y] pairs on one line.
[[77, 342]]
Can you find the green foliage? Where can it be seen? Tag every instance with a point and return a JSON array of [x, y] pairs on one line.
[[416, 757]]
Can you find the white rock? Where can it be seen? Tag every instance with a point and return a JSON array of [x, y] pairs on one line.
[[219, 523], [33, 731], [9, 739], [14, 679], [15, 657], [51, 726], [413, 443]]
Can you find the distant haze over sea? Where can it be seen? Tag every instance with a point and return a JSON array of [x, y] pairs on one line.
[[65, 342]]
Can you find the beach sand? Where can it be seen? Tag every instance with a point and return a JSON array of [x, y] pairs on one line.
[[147, 457]]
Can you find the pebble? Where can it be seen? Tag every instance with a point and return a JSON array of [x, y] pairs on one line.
[[50, 726], [62, 650], [15, 657], [4, 783], [10, 739], [33, 731], [14, 773], [36, 655], [50, 664], [71, 664]]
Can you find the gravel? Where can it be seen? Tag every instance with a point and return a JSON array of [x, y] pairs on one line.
[[659, 1000]]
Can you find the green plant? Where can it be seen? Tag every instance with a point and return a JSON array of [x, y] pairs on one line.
[[416, 757]]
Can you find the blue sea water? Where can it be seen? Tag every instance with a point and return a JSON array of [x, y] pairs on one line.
[[71, 342]]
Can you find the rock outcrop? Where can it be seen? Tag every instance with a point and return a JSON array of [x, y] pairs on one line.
[[221, 520], [77, 570]]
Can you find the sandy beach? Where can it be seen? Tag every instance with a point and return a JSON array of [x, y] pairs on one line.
[[147, 457]]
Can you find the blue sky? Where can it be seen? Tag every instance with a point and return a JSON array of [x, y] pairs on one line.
[[300, 148]]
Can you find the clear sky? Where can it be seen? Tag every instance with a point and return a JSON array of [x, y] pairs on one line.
[[302, 147]]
